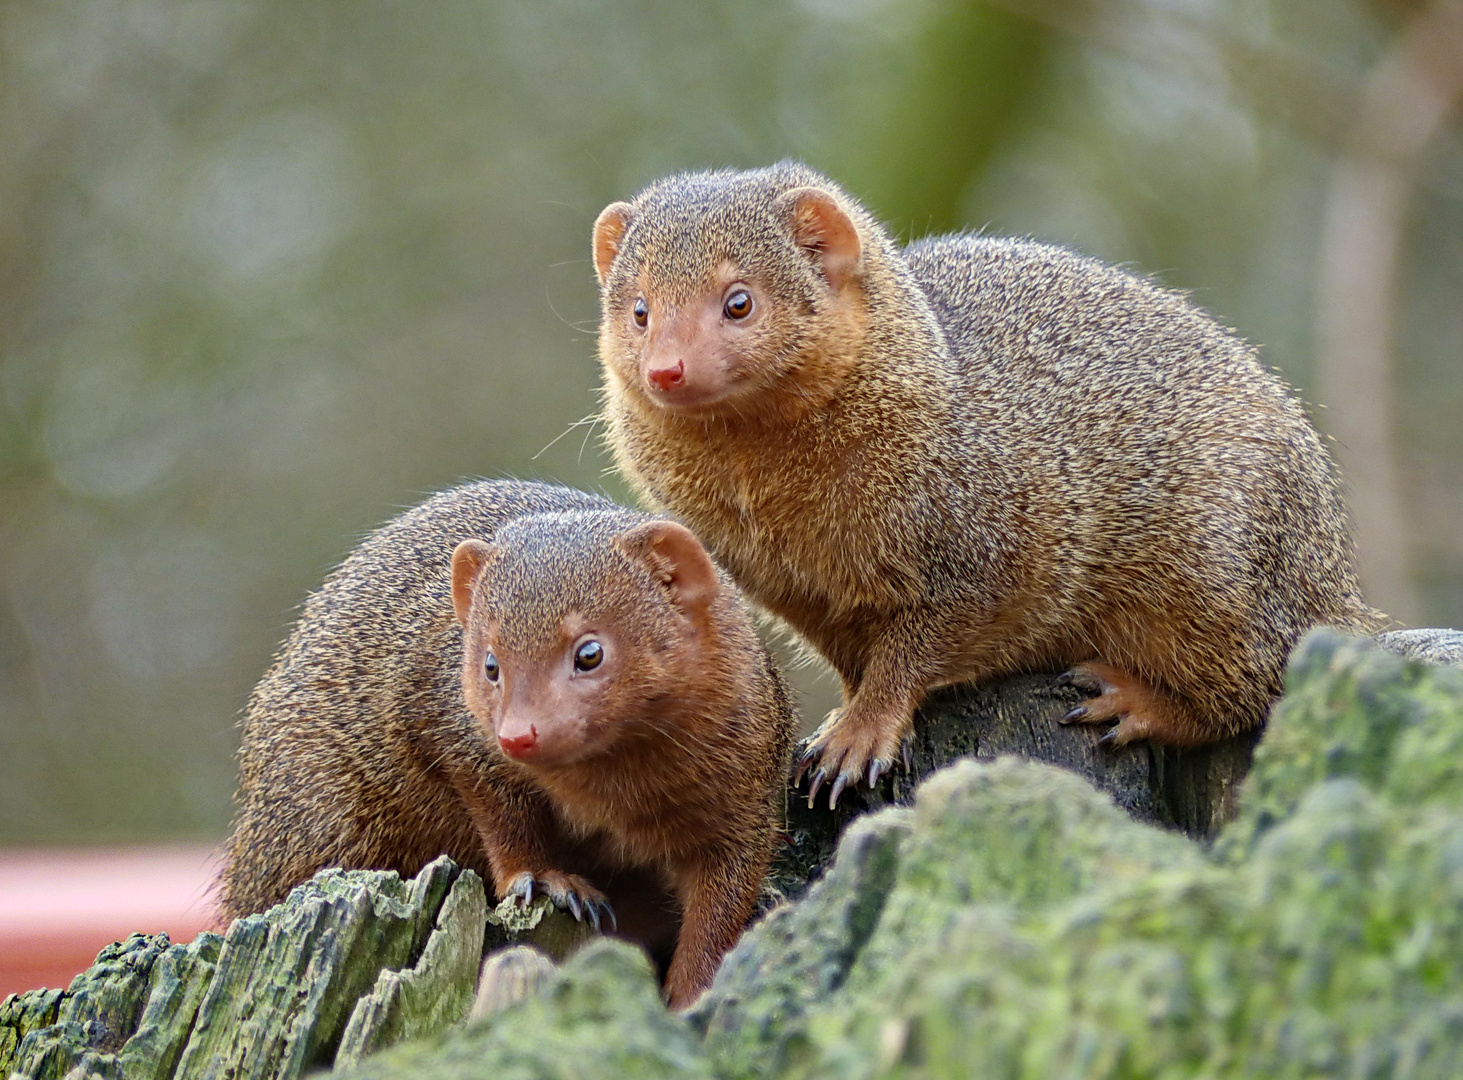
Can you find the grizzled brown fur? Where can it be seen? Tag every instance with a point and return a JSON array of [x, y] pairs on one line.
[[663, 795], [966, 457]]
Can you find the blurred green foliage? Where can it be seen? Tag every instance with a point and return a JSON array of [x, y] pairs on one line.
[[270, 271]]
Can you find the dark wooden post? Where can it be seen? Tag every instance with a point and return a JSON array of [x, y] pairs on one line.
[[1190, 790]]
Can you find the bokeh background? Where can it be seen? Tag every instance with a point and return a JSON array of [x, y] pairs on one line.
[[270, 271]]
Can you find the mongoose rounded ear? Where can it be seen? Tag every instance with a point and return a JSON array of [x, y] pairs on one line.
[[609, 230], [677, 558], [468, 558], [820, 226]]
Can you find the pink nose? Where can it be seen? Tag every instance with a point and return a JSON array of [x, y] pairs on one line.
[[521, 745], [665, 378]]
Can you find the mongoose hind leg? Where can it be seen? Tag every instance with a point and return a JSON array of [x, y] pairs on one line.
[[570, 892], [1142, 710]]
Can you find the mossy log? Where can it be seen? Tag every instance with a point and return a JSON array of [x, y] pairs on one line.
[[1015, 919], [351, 962], [1016, 922], [1190, 790]]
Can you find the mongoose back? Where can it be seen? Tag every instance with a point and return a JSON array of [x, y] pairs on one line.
[[564, 695], [967, 457]]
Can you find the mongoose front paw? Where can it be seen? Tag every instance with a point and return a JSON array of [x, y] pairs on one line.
[[569, 892], [1137, 707], [851, 751]]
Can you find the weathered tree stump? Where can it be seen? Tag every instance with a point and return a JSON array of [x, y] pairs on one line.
[[352, 961], [1015, 922], [1193, 791]]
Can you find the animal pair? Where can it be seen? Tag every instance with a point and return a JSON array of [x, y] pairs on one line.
[[939, 463]]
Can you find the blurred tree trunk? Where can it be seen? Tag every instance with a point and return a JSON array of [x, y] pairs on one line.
[[972, 71], [1404, 101]]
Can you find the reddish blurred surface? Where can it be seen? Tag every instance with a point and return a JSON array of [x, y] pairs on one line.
[[60, 907]]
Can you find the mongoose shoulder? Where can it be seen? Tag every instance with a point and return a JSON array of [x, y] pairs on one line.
[[562, 694], [965, 457]]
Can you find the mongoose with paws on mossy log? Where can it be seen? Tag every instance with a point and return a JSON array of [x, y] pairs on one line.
[[963, 458], [561, 694]]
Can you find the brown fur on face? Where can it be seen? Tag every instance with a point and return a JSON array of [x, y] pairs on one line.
[[729, 361], [970, 457], [375, 741]]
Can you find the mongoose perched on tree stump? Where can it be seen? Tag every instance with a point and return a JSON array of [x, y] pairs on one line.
[[622, 744], [967, 458]]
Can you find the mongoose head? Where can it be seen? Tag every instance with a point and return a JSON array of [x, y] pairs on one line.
[[717, 285], [581, 631]]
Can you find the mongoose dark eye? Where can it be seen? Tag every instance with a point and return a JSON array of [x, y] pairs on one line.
[[640, 312], [490, 668], [738, 305], [589, 656]]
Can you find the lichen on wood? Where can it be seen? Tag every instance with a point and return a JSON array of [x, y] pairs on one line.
[[1018, 922], [1015, 919], [432, 995], [271, 998]]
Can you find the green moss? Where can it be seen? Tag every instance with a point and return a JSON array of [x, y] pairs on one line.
[[1356, 710], [1013, 923], [602, 1016], [800, 954], [1033, 931]]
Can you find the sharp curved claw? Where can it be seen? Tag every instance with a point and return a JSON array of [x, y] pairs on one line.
[[527, 892], [592, 910], [809, 755], [876, 769], [1064, 679], [1109, 737], [838, 785], [1073, 715], [516, 888], [906, 751], [610, 914], [572, 899], [815, 783]]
